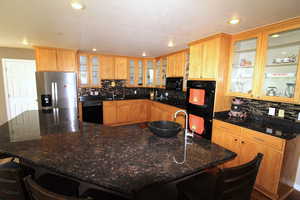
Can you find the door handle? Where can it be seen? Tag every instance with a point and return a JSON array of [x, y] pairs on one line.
[[53, 93], [56, 96]]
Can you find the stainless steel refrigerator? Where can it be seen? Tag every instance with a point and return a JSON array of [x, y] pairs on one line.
[[61, 87]]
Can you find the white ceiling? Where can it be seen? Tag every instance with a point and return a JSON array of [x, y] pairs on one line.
[[129, 27]]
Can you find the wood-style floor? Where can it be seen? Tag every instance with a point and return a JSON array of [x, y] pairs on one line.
[[294, 196]]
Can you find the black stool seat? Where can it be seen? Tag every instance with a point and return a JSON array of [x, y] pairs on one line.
[[59, 185], [158, 192], [100, 195]]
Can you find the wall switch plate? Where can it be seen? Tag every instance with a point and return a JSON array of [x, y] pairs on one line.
[[272, 111], [280, 113], [299, 116]]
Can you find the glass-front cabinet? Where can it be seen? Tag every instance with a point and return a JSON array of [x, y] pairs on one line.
[[83, 70], [149, 73], [95, 71], [140, 73], [281, 66], [158, 73], [243, 66], [132, 72], [164, 71]]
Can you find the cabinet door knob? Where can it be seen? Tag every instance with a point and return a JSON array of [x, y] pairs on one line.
[[243, 142], [235, 140]]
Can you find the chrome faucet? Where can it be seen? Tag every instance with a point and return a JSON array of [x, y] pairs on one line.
[[186, 135], [186, 131]]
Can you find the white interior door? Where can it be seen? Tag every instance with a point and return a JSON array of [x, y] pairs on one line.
[[20, 81]]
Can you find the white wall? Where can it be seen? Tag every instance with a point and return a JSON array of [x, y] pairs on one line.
[[13, 53]]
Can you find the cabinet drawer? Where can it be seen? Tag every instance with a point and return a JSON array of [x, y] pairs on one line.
[[227, 127], [262, 138]]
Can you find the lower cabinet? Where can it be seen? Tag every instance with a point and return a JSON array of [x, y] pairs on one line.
[[125, 112], [247, 143], [109, 112], [161, 111], [135, 111]]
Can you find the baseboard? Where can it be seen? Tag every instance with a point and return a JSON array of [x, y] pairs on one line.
[[297, 187]]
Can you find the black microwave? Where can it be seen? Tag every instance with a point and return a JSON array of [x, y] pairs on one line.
[[174, 83]]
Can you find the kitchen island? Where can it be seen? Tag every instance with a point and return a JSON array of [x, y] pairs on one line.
[[122, 159]]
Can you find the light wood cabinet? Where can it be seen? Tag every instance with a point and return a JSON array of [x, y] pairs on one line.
[[46, 59], [135, 72], [264, 63], [121, 112], [109, 112], [121, 71], [66, 60], [89, 66], [107, 70], [205, 58], [161, 111], [176, 64], [247, 143], [53, 59], [209, 58]]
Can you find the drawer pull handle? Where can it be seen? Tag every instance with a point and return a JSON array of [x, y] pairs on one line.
[[259, 139]]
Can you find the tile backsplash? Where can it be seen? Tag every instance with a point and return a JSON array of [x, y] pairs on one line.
[[119, 89], [261, 108]]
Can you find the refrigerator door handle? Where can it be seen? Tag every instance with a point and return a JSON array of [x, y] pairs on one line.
[[53, 93], [56, 95]]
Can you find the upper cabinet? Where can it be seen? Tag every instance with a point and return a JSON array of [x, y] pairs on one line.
[[108, 67], [53, 59], [135, 72], [83, 75], [176, 64], [243, 65], [89, 70], [205, 57], [265, 63], [150, 72], [281, 77], [121, 68], [95, 68]]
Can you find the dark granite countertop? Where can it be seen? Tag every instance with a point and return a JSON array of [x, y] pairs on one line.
[[169, 101], [281, 128], [123, 159]]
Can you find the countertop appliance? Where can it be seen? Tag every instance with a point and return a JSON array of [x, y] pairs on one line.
[[92, 111], [174, 83], [57, 90], [200, 106]]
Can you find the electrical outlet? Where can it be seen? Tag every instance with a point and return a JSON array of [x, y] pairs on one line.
[[299, 116], [280, 113], [272, 111]]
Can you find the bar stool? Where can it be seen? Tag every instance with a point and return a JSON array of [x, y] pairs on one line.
[[11, 185], [227, 184], [36, 192], [58, 184]]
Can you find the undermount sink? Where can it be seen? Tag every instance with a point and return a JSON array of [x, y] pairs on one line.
[[165, 129]]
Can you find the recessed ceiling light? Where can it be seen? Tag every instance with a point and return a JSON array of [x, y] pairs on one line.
[[77, 5], [234, 21], [170, 44], [144, 54], [94, 49], [275, 36], [25, 42]]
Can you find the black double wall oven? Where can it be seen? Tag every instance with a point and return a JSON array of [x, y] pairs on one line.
[[200, 106]]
